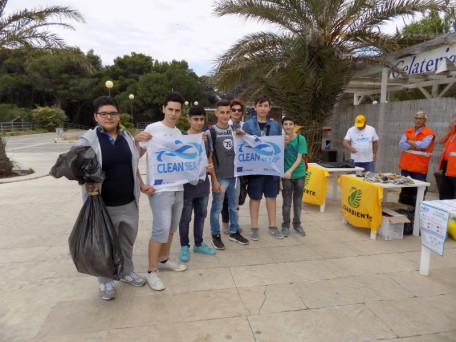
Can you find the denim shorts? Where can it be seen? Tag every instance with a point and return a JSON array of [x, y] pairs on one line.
[[259, 185]]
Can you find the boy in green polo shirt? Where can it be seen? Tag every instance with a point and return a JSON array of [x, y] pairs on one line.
[[293, 180]]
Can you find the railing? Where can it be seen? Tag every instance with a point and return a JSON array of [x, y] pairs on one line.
[[75, 126], [15, 126], [142, 125]]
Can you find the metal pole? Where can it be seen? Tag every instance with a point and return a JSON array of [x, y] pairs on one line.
[[131, 110]]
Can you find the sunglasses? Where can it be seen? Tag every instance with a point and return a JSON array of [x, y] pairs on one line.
[[236, 110]]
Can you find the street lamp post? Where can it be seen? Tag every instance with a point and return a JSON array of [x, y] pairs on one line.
[[131, 97], [109, 85]]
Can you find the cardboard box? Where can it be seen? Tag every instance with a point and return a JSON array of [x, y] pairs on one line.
[[392, 227]]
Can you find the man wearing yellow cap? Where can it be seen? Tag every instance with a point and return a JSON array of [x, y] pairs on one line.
[[362, 141]]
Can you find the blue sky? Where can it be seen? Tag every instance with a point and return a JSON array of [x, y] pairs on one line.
[[164, 29]]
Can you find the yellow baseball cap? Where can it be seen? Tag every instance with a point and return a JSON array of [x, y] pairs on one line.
[[360, 121]]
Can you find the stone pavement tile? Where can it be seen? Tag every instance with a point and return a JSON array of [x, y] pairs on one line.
[[448, 260], [387, 263], [348, 267], [441, 337], [25, 240], [22, 319], [26, 304], [278, 273], [417, 316], [314, 238], [355, 234], [352, 290], [226, 329], [335, 250], [17, 255], [225, 258], [60, 268], [182, 307], [326, 216], [271, 298], [294, 253], [330, 225], [349, 323], [98, 336], [81, 316], [439, 281], [188, 281], [379, 246]]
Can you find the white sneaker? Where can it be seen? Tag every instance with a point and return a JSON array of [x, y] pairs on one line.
[[107, 290], [154, 281], [171, 265], [133, 279]]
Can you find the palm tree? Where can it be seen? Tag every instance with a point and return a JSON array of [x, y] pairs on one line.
[[307, 63], [29, 29]]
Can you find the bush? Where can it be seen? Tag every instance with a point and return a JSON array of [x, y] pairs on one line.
[[125, 120], [182, 123], [48, 118], [9, 111]]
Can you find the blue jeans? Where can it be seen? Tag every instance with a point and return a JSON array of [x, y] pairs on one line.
[[231, 187], [369, 166], [200, 205]]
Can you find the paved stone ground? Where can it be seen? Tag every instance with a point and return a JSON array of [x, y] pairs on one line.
[[335, 284]]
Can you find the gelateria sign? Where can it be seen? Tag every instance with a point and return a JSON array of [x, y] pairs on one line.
[[425, 62]]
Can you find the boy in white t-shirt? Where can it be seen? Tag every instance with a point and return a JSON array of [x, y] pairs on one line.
[[362, 141], [166, 204]]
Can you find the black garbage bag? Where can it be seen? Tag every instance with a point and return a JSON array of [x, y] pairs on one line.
[[93, 242], [94, 245], [80, 163], [243, 181]]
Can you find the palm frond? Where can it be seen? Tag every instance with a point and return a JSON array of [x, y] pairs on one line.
[[29, 28]]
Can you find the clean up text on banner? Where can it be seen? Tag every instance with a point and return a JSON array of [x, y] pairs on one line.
[[176, 160], [259, 155]]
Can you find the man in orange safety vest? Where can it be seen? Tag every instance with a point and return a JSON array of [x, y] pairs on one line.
[[447, 161]]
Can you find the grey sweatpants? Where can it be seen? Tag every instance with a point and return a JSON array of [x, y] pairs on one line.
[[125, 220]]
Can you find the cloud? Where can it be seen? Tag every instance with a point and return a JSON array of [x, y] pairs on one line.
[[163, 29]]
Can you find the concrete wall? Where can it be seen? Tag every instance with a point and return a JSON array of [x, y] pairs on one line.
[[391, 120]]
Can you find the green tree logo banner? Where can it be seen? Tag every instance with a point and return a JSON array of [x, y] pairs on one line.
[[354, 199], [308, 177]]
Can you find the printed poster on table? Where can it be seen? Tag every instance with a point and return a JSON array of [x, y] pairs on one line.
[[434, 217], [175, 160], [259, 155]]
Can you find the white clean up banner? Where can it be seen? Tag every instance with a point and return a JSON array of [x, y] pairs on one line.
[[259, 155], [176, 160]]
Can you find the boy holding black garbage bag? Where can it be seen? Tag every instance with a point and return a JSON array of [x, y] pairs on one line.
[[118, 156]]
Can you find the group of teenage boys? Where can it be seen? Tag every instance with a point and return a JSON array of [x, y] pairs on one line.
[[172, 207]]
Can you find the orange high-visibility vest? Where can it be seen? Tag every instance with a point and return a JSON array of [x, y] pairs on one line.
[[450, 144], [414, 160]]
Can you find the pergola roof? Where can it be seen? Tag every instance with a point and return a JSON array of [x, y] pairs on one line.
[[440, 69]]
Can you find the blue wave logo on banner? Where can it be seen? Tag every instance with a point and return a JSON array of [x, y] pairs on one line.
[[182, 152], [265, 149]]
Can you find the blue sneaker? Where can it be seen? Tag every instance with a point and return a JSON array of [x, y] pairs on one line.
[[203, 249], [184, 254]]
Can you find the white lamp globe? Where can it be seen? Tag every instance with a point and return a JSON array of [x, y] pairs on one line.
[[109, 84]]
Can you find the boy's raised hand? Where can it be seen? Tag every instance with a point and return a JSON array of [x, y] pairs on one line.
[[143, 136]]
